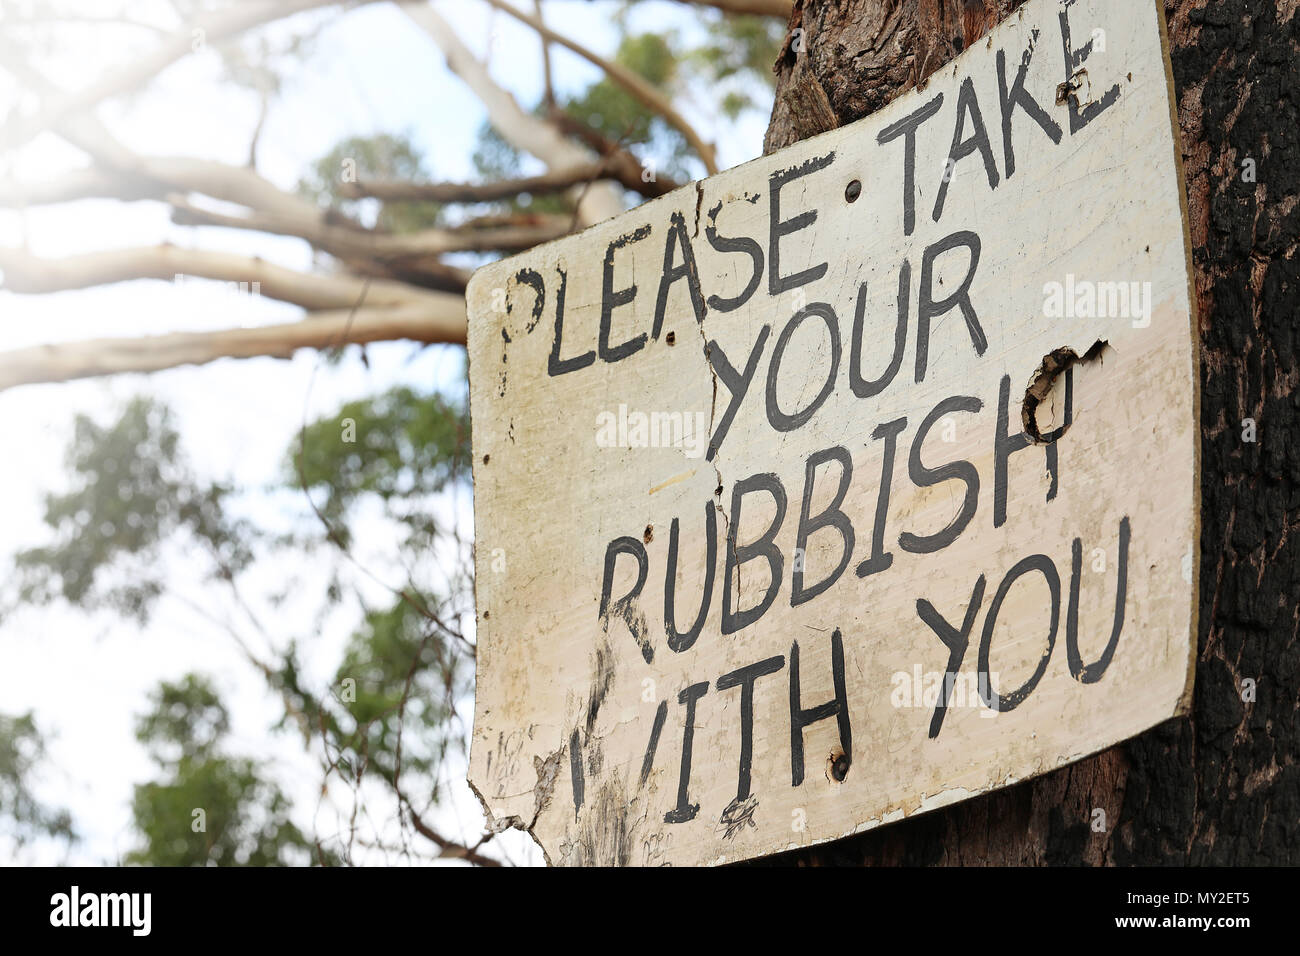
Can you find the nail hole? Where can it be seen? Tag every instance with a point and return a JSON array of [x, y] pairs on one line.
[[486, 615], [671, 338], [649, 533], [853, 190], [840, 768], [486, 458]]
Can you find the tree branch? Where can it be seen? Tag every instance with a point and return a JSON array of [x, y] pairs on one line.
[[84, 131], [523, 233], [126, 174], [449, 848], [548, 85], [519, 128], [762, 8], [235, 184], [123, 175], [142, 69], [631, 81], [89, 183], [152, 353], [552, 181], [26, 273], [622, 164]]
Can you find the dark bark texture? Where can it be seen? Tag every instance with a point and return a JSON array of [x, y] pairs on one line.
[[1221, 786]]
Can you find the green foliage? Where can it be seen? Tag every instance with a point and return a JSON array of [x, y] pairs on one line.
[[399, 446], [390, 711], [732, 52], [612, 111], [22, 750], [245, 819], [493, 157], [392, 644], [607, 107], [375, 158], [134, 501], [387, 715], [132, 492], [209, 809], [187, 717], [740, 47]]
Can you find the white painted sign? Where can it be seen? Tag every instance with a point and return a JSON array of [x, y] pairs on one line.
[[851, 482]]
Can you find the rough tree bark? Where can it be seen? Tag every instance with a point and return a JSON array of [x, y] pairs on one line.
[[1223, 785]]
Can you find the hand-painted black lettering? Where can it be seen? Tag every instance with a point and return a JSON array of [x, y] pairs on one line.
[[777, 283], [1005, 445], [575, 771], [683, 640], [779, 419], [533, 279], [837, 708], [1006, 702], [928, 309], [685, 810], [744, 678], [610, 299], [556, 365], [737, 384], [686, 269], [763, 547], [907, 127], [967, 103], [625, 607], [1019, 96], [830, 517], [743, 244], [880, 559], [648, 762], [955, 640], [1079, 118], [1091, 673], [861, 387], [924, 477]]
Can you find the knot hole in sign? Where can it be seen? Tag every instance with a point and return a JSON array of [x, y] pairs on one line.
[[838, 768], [1055, 363]]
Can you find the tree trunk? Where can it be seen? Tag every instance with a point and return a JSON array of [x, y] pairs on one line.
[[1221, 786]]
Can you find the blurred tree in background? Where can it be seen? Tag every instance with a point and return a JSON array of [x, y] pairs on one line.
[[22, 749], [392, 248], [209, 808]]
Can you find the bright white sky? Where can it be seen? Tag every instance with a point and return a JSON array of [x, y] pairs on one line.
[[371, 71]]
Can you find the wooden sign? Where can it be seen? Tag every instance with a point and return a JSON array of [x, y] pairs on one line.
[[851, 482]]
